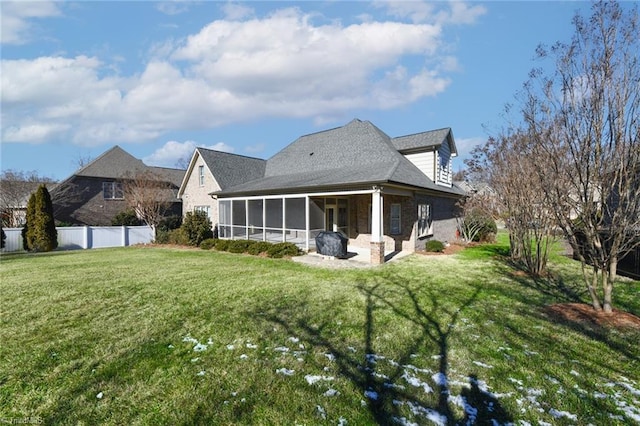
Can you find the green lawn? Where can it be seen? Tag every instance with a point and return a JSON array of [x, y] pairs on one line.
[[171, 336]]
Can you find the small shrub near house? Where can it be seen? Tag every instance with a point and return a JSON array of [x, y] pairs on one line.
[[4, 237], [239, 246], [259, 247], [283, 249], [178, 237], [223, 245], [126, 218], [197, 227], [208, 244], [434, 246]]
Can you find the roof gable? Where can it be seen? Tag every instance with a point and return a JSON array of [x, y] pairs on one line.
[[425, 141], [115, 163]]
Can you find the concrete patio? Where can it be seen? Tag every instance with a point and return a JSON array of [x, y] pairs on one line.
[[357, 257]]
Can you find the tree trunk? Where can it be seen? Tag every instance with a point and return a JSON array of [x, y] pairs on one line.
[[591, 287], [608, 285]]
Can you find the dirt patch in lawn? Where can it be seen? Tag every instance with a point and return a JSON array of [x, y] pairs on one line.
[[582, 314], [451, 249]]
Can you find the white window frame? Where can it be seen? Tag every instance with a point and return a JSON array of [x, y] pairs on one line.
[[395, 220], [201, 175], [112, 191], [206, 209], [425, 220]]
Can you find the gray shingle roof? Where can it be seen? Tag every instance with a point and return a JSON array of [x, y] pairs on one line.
[[115, 163], [355, 154], [232, 169], [416, 141]]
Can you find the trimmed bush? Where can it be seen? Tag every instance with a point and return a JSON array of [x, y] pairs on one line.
[[208, 244], [178, 237], [223, 245], [4, 237], [434, 246], [197, 227], [259, 247], [239, 246], [283, 249], [126, 218]]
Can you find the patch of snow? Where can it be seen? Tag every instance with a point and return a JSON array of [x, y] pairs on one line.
[[210, 341], [352, 349], [330, 357], [281, 349], [373, 395], [480, 364], [373, 358], [293, 339], [331, 392], [285, 371], [363, 403], [230, 347], [195, 359], [416, 382], [199, 347], [100, 395], [244, 356], [436, 356], [516, 381], [574, 372], [630, 388], [321, 412], [440, 379], [251, 346], [201, 373], [170, 346], [600, 395], [342, 421], [189, 339], [403, 421], [558, 414], [388, 385], [314, 379], [529, 353]]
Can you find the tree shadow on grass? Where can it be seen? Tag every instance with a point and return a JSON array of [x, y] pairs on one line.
[[392, 387]]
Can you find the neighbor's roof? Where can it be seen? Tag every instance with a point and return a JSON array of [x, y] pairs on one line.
[[355, 154], [115, 163]]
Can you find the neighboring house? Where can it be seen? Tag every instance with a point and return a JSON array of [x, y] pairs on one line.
[[383, 193], [95, 193], [14, 196], [211, 171]]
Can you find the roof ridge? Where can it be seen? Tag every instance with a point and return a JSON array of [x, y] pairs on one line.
[[229, 153], [420, 133]]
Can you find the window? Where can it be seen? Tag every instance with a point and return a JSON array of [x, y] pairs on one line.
[[396, 226], [201, 175], [425, 221], [206, 209], [112, 191]]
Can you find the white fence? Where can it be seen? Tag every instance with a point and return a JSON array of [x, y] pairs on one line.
[[87, 237]]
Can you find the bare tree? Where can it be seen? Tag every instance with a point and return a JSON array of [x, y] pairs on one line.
[[509, 164], [149, 195], [584, 122]]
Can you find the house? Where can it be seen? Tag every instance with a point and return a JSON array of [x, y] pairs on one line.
[[14, 196], [383, 193], [211, 171], [95, 193]]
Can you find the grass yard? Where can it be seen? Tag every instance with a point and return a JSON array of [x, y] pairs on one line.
[[182, 337]]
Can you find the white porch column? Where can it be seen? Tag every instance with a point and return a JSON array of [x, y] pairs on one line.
[[377, 227], [306, 223]]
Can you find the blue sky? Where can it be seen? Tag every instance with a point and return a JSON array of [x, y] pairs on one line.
[[159, 78]]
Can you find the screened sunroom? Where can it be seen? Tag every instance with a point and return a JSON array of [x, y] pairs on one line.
[[290, 218]]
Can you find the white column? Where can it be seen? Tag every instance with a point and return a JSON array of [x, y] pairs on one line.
[[376, 216], [246, 219], [306, 223]]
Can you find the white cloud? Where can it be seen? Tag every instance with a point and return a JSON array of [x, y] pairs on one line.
[[235, 11], [459, 12], [15, 20], [173, 7], [281, 65], [172, 152]]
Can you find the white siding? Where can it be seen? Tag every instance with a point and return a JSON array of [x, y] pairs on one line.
[[425, 161], [444, 169]]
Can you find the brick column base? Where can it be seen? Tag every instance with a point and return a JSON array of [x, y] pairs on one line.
[[377, 253]]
